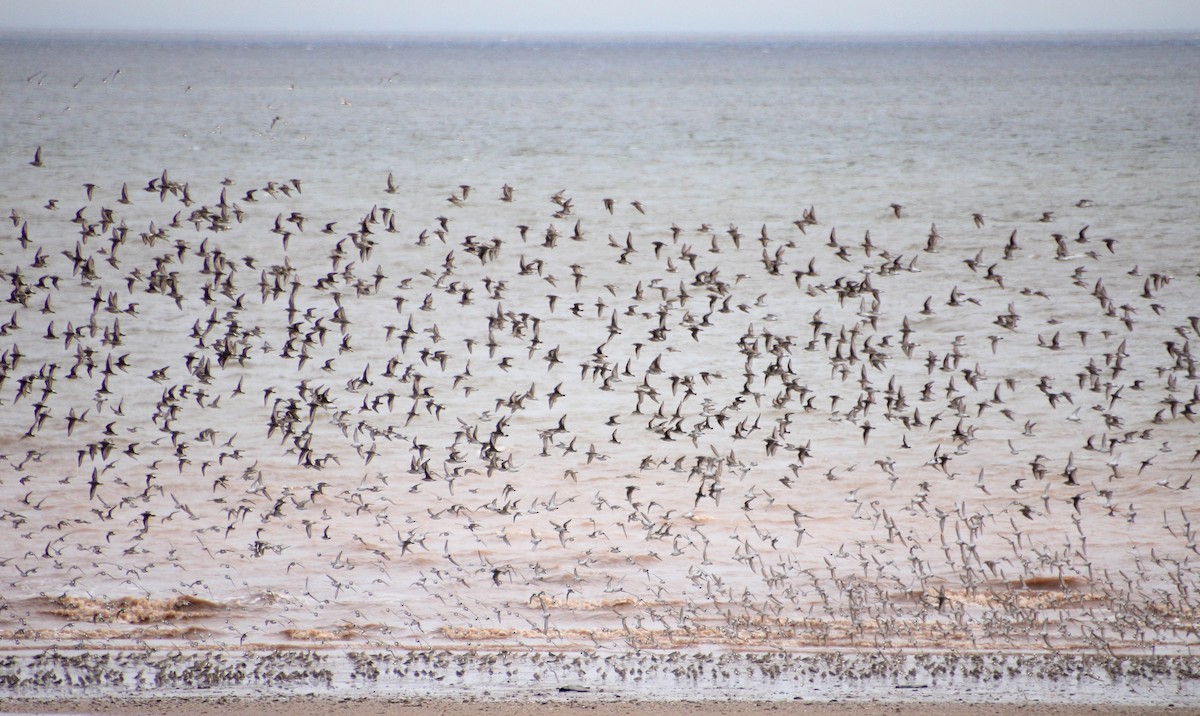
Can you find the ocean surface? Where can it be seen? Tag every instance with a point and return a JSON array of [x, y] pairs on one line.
[[868, 344]]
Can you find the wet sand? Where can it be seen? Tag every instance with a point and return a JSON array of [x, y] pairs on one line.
[[291, 681], [363, 706]]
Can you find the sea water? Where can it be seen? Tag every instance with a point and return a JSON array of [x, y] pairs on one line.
[[735, 365]]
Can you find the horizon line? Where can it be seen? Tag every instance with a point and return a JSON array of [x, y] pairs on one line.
[[635, 36]]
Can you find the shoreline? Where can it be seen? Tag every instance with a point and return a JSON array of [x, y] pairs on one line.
[[354, 706], [157, 679]]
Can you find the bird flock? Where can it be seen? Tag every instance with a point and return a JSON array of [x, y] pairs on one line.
[[497, 416]]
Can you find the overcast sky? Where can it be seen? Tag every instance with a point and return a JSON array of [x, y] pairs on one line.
[[606, 17]]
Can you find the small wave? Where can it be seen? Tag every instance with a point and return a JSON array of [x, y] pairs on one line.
[[341, 632], [133, 610], [1047, 584], [106, 635], [265, 597], [1039, 592], [499, 634], [547, 601]]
